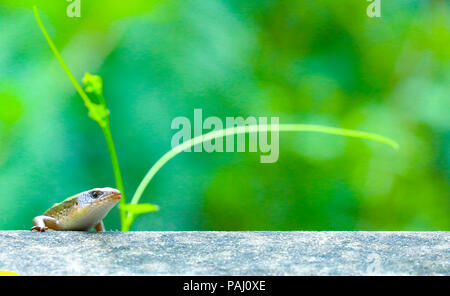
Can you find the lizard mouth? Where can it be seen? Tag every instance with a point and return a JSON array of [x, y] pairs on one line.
[[117, 196], [114, 196]]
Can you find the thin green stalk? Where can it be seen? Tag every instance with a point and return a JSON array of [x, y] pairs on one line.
[[251, 129], [102, 120], [116, 169], [72, 79]]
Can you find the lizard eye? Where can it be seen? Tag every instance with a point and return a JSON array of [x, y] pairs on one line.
[[95, 194]]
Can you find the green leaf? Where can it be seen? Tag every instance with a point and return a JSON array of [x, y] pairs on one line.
[[135, 210], [138, 209]]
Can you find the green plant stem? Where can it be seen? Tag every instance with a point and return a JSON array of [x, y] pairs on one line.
[[103, 125], [128, 221], [69, 74], [116, 169], [250, 129]]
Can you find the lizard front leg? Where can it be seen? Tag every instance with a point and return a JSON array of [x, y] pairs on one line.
[[43, 223], [100, 227]]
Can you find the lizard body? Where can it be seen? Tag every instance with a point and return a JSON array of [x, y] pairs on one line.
[[82, 211]]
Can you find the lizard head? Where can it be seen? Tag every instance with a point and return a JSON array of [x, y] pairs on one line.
[[98, 201], [99, 197]]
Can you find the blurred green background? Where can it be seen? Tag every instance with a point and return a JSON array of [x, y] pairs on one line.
[[323, 62]]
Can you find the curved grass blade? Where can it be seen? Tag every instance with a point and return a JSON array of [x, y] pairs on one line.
[[251, 129]]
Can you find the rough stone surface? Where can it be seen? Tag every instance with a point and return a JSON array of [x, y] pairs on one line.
[[225, 253]]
